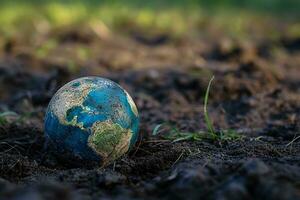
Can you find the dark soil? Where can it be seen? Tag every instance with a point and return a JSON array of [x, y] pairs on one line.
[[256, 92]]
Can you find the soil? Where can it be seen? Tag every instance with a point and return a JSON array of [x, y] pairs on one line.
[[256, 92]]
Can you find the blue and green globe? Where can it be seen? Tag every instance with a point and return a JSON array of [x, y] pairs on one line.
[[93, 119]]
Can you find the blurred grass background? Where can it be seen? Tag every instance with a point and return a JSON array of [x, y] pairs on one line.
[[175, 17]]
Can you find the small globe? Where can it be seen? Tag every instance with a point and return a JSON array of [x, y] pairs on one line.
[[92, 118]]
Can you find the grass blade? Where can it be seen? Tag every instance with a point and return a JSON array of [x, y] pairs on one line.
[[206, 115], [156, 129]]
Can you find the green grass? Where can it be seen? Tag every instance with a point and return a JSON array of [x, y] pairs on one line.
[[206, 115], [5, 115], [175, 135], [230, 16], [8, 117]]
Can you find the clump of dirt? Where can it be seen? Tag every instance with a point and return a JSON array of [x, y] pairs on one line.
[[255, 92]]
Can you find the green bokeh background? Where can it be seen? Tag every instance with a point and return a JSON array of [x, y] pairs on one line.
[[173, 16]]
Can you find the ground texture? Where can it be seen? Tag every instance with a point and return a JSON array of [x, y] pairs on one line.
[[256, 92]]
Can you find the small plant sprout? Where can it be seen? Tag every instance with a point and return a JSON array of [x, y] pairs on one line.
[[206, 116], [157, 129], [221, 135], [4, 116], [176, 135]]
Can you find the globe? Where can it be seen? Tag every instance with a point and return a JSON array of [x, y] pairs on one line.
[[93, 119]]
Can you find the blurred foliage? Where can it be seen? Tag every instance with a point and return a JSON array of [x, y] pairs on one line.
[[172, 16]]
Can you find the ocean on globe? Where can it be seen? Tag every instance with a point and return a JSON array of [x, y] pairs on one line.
[[92, 118]]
